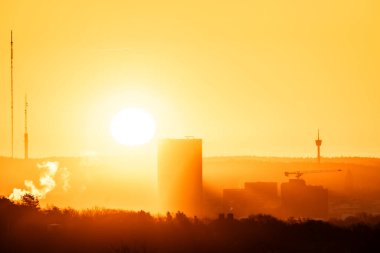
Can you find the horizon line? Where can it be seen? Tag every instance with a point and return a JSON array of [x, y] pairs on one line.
[[208, 156]]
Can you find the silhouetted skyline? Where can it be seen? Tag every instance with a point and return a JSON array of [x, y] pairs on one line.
[[100, 100]]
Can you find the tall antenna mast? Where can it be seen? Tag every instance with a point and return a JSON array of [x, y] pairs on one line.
[[26, 139], [12, 91], [318, 142]]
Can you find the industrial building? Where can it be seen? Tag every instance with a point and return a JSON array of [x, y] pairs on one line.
[[297, 200], [180, 175], [255, 198], [301, 200]]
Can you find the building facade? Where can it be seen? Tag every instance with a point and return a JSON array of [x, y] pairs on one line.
[[301, 200], [180, 175], [255, 198]]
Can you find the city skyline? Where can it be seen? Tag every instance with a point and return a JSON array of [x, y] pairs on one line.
[[189, 126]]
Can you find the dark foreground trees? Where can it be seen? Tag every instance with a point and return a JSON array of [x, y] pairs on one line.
[[25, 228]]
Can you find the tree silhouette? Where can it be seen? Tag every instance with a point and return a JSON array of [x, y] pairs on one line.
[[31, 201], [25, 227]]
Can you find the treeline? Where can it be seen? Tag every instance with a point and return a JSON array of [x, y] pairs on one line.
[[24, 227]]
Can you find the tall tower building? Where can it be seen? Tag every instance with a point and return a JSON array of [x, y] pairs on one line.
[[180, 175], [318, 142]]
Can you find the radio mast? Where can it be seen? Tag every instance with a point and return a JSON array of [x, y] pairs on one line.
[[12, 93], [318, 142], [26, 139]]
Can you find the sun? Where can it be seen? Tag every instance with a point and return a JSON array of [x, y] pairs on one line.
[[133, 127]]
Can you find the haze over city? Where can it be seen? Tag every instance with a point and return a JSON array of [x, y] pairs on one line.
[[189, 126]]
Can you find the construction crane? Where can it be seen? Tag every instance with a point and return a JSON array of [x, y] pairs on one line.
[[299, 174]]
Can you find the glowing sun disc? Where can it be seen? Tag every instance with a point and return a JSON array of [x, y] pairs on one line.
[[132, 127]]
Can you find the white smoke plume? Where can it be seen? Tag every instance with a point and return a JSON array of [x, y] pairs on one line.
[[47, 183]]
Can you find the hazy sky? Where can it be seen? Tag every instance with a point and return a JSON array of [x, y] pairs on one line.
[[249, 77]]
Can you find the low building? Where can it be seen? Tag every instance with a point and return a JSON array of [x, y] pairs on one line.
[[301, 200], [254, 198]]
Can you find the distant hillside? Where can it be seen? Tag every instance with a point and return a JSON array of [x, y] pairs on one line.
[[232, 172], [118, 182]]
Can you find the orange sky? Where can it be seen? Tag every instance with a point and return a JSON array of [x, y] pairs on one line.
[[249, 77]]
